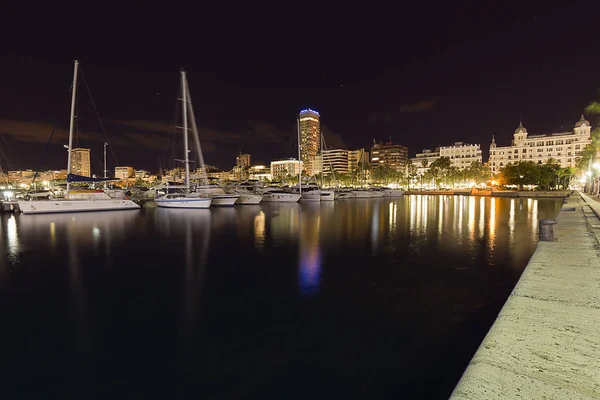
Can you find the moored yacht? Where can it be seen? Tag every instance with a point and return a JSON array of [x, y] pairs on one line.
[[327, 195], [344, 194], [376, 191], [246, 197], [218, 195], [363, 194], [182, 200], [387, 192], [276, 195], [79, 200]]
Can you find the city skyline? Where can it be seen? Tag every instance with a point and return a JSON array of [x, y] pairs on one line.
[[465, 78]]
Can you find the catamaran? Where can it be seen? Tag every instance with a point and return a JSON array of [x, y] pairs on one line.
[[185, 199], [77, 200]]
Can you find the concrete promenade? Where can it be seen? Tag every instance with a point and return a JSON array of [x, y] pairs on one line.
[[545, 343]]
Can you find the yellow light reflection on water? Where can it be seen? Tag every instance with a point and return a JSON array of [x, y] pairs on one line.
[[511, 222], [533, 206], [425, 214], [12, 236], [481, 217], [52, 234], [471, 218], [393, 213], [461, 206], [259, 230], [492, 225], [442, 200]]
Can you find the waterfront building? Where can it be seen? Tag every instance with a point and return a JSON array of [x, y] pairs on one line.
[[462, 155], [336, 160], [310, 138], [393, 155], [282, 168], [564, 147], [243, 161], [124, 173], [259, 173], [140, 174], [356, 157], [80, 162], [424, 159]]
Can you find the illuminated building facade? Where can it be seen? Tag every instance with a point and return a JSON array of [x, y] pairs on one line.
[[124, 173], [336, 160], [281, 169], [310, 137], [565, 147], [462, 155], [243, 161], [392, 155], [80, 162]]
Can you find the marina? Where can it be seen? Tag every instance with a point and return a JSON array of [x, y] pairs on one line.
[[350, 294]]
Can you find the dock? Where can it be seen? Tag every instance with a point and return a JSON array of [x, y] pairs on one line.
[[545, 342]]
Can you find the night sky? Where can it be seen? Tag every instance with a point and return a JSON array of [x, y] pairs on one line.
[[423, 75]]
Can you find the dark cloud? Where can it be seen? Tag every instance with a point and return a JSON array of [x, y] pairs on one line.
[[421, 106], [32, 132]]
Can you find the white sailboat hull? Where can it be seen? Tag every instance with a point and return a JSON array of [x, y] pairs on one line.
[[393, 193], [192, 202], [327, 195], [224, 200], [249, 199], [67, 205], [281, 197]]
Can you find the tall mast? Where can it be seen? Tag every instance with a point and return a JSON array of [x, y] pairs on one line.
[[105, 170], [322, 155], [185, 131], [299, 162], [72, 122]]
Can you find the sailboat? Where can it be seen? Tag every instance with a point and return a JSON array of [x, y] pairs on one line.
[[186, 199], [77, 200]]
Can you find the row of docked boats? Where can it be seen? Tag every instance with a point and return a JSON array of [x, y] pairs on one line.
[[185, 195], [207, 196]]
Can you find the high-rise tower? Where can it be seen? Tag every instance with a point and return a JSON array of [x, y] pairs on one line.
[[310, 138], [80, 162]]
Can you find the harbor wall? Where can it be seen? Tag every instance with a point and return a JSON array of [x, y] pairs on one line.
[[545, 342]]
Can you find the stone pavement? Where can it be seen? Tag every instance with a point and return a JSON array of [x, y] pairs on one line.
[[545, 343]]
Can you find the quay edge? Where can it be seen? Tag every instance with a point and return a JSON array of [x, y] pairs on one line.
[[545, 342]]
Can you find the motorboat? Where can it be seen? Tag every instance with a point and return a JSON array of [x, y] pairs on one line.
[[344, 194], [376, 191], [387, 192], [327, 195], [275, 195], [246, 197], [364, 194]]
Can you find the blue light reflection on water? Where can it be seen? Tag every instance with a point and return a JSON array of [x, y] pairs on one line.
[[309, 251]]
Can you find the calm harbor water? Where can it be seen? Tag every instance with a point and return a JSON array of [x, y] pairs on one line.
[[373, 298]]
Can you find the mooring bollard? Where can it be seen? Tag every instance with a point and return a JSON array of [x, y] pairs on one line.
[[547, 229]]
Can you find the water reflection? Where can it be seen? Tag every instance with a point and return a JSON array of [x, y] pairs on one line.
[[12, 237], [259, 230], [309, 264], [206, 294]]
